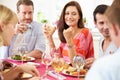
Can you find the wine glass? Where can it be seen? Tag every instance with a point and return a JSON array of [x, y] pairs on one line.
[[54, 53], [78, 62], [47, 60], [58, 63], [22, 49]]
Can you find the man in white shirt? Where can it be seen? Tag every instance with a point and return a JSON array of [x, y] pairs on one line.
[[34, 36], [106, 46], [107, 67]]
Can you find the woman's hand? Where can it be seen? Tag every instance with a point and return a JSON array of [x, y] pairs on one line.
[[48, 30], [89, 62], [68, 34], [28, 68]]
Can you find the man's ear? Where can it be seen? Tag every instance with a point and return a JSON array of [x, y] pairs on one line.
[[115, 28]]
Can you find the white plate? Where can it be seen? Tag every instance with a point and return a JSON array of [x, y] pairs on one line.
[[69, 74], [26, 75], [31, 59], [33, 63]]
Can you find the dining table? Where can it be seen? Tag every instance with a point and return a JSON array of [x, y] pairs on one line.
[[42, 68]]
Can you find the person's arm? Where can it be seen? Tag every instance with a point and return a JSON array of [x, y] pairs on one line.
[[51, 42], [49, 31], [69, 41], [35, 53], [12, 74], [39, 44], [16, 71]]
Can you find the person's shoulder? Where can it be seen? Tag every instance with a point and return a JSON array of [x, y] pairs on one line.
[[109, 60], [36, 23], [86, 32], [85, 29]]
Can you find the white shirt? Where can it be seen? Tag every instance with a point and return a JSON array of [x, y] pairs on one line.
[[34, 38], [3, 52], [110, 49], [105, 68]]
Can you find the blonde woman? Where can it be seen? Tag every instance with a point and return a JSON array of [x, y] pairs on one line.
[[8, 20]]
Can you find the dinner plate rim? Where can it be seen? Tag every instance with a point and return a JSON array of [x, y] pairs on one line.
[[64, 73], [32, 59]]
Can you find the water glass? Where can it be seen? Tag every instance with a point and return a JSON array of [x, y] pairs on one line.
[[78, 62]]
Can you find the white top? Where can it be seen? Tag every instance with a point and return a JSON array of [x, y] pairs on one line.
[[105, 68], [110, 49], [3, 52]]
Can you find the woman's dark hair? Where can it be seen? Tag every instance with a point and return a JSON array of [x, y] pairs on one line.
[[61, 23]]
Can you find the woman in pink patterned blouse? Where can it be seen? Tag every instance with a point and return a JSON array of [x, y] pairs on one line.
[[75, 38]]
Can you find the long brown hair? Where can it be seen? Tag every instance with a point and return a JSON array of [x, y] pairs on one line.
[[61, 23]]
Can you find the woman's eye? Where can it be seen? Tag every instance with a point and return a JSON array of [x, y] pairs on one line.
[[73, 13], [66, 13], [101, 23]]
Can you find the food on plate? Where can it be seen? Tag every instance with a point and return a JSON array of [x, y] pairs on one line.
[[74, 72], [59, 65], [6, 65], [82, 72], [66, 68], [71, 69], [18, 57], [25, 58]]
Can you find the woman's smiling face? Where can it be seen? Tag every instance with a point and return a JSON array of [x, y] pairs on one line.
[[71, 16]]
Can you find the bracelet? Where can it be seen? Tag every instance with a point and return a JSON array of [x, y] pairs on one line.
[[69, 45]]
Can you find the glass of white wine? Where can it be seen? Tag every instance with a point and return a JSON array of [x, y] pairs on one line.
[[22, 49], [78, 62], [47, 60]]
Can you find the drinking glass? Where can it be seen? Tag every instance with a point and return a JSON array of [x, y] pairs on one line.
[[78, 62], [49, 29], [47, 60], [58, 63], [22, 49]]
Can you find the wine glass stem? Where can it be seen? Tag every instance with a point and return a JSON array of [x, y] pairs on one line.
[[22, 59], [78, 75], [46, 72], [46, 68]]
